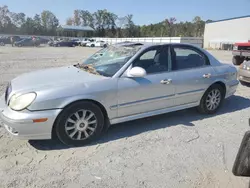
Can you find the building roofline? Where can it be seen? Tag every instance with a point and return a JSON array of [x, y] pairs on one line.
[[247, 16]]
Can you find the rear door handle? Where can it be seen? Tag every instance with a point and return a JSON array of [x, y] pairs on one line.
[[166, 81], [208, 75]]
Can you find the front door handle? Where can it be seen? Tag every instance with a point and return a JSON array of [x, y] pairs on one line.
[[166, 81], [208, 75]]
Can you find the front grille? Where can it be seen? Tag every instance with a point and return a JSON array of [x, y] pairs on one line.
[[7, 92]]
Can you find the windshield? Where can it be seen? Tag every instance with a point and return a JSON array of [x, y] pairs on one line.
[[109, 60]]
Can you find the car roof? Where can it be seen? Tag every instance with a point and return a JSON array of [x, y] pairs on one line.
[[148, 44]]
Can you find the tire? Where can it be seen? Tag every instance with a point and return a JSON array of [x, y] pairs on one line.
[[204, 106], [71, 137], [105, 46], [237, 60], [92, 45], [73, 45], [2, 44]]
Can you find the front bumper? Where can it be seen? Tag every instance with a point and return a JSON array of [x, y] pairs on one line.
[[244, 53], [244, 75], [21, 125]]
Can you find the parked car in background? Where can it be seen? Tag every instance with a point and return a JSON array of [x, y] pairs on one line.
[[78, 41], [86, 40], [244, 72], [117, 84], [99, 43], [241, 52], [27, 42], [43, 40], [51, 42], [6, 40], [65, 43]]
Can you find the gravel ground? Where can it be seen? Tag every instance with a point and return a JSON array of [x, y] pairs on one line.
[[181, 149]]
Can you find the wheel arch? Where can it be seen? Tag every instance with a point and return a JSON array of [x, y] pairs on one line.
[[222, 84], [100, 105]]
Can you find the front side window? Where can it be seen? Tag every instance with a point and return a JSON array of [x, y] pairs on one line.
[[154, 60], [184, 57], [108, 61]]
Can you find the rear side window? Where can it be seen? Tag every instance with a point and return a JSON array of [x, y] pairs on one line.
[[185, 57]]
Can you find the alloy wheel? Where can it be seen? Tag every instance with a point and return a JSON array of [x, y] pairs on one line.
[[213, 99], [81, 125]]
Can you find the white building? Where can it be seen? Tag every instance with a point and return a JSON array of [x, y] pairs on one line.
[[222, 33]]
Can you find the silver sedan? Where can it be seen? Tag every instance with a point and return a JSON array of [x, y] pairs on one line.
[[120, 83]]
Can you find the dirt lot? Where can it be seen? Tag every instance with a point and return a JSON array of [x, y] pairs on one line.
[[181, 149]]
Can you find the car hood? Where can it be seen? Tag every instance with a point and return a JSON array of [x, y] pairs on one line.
[[54, 77]]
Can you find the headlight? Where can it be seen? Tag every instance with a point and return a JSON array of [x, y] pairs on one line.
[[22, 101], [235, 48]]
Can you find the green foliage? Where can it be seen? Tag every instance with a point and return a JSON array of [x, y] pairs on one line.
[[105, 24]]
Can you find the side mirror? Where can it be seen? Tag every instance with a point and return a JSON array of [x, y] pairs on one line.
[[136, 72], [242, 162]]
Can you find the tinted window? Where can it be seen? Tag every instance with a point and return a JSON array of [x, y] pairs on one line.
[[186, 58], [154, 60]]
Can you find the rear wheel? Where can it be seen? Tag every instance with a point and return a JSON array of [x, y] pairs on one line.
[[211, 100], [2, 44], [237, 60], [79, 124], [92, 45]]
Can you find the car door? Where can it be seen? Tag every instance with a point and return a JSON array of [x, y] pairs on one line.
[[193, 73], [152, 92]]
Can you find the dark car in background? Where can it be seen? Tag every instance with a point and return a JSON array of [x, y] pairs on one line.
[[6, 39], [70, 43], [42, 40], [27, 42]]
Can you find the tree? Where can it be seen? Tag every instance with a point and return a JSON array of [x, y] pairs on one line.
[[69, 21], [104, 23], [38, 29], [18, 19], [49, 22], [87, 18], [28, 26], [5, 20], [130, 26], [169, 23], [199, 26], [77, 20]]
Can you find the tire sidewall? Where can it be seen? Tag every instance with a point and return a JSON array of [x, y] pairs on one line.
[[62, 118], [203, 107]]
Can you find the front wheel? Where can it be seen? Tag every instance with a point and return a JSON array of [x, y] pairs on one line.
[[211, 100], [79, 124]]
